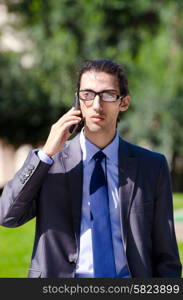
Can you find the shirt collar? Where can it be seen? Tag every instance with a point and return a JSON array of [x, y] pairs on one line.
[[89, 149]]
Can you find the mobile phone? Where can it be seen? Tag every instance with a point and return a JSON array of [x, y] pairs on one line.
[[76, 107]]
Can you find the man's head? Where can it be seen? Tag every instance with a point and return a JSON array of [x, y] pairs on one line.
[[103, 93], [106, 66]]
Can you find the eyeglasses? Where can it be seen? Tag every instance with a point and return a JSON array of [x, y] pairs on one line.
[[106, 95]]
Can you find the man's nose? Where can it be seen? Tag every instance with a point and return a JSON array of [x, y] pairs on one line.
[[97, 102]]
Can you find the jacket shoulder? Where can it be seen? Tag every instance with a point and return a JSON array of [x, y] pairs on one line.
[[143, 153]]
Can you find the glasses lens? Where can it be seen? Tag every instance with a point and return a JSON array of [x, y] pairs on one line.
[[109, 96], [86, 95]]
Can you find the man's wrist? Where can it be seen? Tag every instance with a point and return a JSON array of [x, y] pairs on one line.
[[44, 157]]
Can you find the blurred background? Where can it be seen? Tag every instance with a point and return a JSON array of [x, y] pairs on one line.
[[42, 45]]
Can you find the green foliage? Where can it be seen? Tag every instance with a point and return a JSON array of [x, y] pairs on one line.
[[156, 87], [146, 36], [62, 34], [22, 116]]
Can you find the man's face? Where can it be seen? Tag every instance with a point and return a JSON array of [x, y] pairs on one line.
[[99, 115]]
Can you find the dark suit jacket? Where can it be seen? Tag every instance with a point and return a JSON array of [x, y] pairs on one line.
[[54, 195]]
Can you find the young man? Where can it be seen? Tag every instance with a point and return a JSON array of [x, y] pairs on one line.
[[103, 206]]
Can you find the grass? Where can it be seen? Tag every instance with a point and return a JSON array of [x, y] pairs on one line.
[[16, 246], [178, 201], [15, 250], [180, 246]]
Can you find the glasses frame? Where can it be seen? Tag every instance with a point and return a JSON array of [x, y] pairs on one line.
[[98, 93]]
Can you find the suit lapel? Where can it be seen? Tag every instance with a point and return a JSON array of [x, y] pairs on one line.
[[127, 175], [72, 157]]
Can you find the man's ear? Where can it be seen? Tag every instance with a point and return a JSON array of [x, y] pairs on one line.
[[125, 102]]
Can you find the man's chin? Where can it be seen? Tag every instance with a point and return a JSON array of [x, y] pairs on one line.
[[94, 127]]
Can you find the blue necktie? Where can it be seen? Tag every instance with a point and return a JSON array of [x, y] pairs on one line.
[[103, 253]]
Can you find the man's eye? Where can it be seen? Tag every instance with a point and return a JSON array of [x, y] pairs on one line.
[[110, 94], [87, 94]]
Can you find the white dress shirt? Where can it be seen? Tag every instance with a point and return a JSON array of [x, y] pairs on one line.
[[85, 261]]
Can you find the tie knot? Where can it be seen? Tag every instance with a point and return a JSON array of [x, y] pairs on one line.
[[99, 156]]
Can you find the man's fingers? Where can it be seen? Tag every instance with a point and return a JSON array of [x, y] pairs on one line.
[[69, 120], [74, 113], [60, 131], [66, 125], [66, 118]]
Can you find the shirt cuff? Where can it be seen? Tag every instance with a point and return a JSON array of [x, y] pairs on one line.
[[45, 158]]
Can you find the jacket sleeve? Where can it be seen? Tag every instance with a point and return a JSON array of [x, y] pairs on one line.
[[165, 251], [18, 200]]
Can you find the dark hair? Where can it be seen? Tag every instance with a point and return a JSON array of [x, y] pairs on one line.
[[107, 66]]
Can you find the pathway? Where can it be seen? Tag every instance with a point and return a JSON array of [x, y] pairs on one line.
[[178, 218]]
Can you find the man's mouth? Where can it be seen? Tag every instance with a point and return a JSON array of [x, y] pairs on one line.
[[97, 117]]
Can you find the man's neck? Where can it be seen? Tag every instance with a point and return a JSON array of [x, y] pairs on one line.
[[100, 139]]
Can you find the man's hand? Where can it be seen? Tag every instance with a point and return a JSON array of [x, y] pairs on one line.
[[59, 132]]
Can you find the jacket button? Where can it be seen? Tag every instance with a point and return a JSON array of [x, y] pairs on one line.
[[31, 167], [72, 259], [22, 180]]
